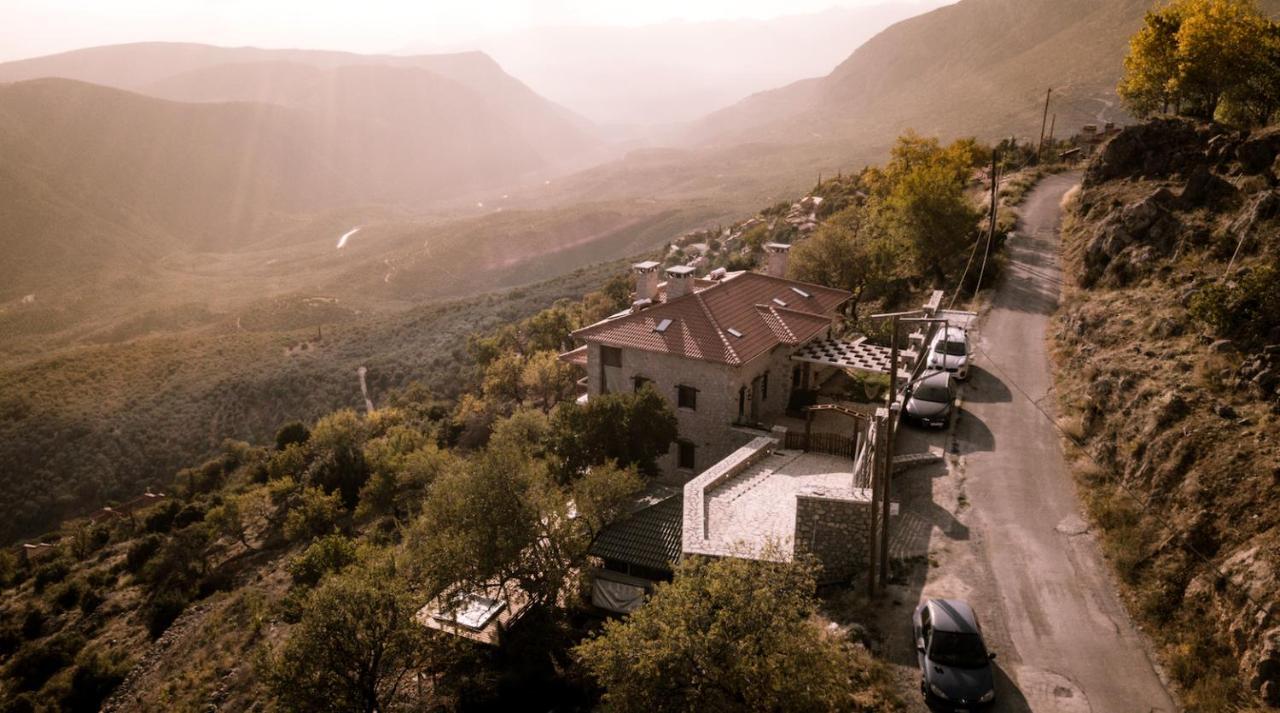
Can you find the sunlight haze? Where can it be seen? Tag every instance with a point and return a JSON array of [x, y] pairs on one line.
[[375, 26]]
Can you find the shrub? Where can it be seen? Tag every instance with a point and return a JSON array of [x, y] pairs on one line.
[[327, 554], [291, 433], [67, 594], [315, 515], [161, 517], [188, 515], [34, 665], [90, 600], [33, 624], [50, 573], [94, 679], [1248, 308], [163, 609], [140, 551]]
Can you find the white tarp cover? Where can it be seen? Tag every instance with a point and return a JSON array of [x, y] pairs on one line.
[[616, 596]]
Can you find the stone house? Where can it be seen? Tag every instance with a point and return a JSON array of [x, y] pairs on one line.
[[720, 350]]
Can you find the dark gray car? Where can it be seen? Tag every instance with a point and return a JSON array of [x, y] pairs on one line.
[[955, 667], [931, 398]]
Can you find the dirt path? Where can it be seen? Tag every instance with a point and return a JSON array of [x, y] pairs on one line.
[[1001, 524]]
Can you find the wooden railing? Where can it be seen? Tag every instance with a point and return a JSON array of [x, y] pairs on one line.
[[829, 443]]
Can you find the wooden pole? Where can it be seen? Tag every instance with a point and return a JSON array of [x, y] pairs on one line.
[[871, 545], [888, 455], [1053, 123], [991, 221], [1043, 120]]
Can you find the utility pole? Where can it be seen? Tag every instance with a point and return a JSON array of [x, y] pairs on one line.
[[991, 220], [1043, 120], [1053, 123], [872, 570], [888, 451]]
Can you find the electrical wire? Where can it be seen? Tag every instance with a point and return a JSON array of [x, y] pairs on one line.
[[1169, 529]]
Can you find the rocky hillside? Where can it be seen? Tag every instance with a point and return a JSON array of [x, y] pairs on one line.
[[1169, 361]]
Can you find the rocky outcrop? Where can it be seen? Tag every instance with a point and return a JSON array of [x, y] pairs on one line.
[[1175, 405], [1127, 241], [1156, 149]]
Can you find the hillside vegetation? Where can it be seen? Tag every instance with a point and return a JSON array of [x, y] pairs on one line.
[[308, 540], [1169, 348]]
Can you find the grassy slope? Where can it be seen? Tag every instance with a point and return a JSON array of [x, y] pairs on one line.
[[1179, 487], [101, 422]]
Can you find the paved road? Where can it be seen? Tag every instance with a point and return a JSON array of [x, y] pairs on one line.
[[1055, 595], [1002, 524]]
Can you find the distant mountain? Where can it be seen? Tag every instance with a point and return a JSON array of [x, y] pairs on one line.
[[233, 144], [679, 71], [977, 67]]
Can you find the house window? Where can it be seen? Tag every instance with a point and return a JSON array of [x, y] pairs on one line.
[[764, 387], [742, 402], [640, 381], [687, 397], [685, 455], [610, 356]]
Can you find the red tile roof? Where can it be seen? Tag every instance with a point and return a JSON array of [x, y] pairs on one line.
[[766, 311]]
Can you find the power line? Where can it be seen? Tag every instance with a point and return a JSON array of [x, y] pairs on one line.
[[1169, 529], [991, 227]]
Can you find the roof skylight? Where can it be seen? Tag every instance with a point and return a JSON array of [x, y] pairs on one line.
[[779, 302], [734, 332], [801, 292], [662, 326]]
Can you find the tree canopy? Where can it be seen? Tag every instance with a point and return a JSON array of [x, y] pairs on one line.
[[727, 635], [1205, 58], [630, 429]]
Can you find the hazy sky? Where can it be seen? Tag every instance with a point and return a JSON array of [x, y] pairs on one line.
[[35, 27]]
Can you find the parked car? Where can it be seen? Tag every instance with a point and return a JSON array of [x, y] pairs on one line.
[[931, 398], [949, 351], [955, 666]]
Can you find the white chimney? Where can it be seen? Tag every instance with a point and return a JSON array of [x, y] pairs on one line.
[[679, 281], [646, 279], [776, 262]]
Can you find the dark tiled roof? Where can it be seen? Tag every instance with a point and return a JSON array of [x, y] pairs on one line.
[[577, 356], [731, 321], [647, 538]]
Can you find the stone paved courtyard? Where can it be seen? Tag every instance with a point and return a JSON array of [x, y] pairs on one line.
[[758, 507]]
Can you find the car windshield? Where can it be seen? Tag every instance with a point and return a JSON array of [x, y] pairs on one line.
[[958, 650], [951, 348], [933, 392]]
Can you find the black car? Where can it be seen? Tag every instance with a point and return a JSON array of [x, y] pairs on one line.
[[955, 667], [931, 398]]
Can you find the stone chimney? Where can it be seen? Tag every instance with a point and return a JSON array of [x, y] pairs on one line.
[[776, 262], [679, 281], [646, 280]]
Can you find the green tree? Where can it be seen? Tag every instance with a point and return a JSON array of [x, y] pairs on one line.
[[1194, 54], [726, 635], [314, 514], [501, 382], [291, 433], [545, 380], [631, 429], [403, 463], [847, 252], [354, 648], [330, 553], [928, 211], [337, 447], [505, 520], [1149, 84]]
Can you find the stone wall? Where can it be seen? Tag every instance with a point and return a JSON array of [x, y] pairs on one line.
[[694, 532], [835, 527], [709, 426]]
